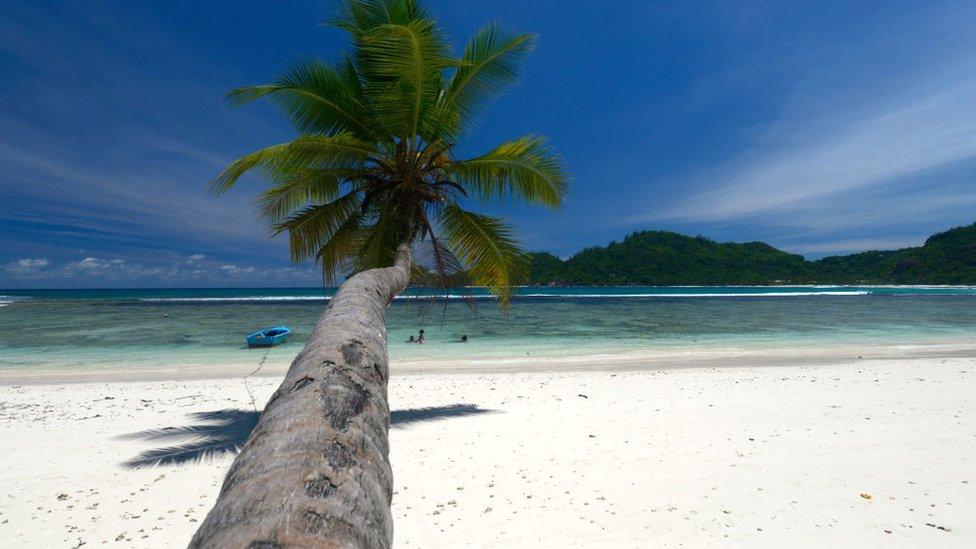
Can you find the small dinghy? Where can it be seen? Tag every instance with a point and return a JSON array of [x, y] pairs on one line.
[[268, 337]]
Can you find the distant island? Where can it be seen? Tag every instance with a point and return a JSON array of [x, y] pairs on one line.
[[659, 258]]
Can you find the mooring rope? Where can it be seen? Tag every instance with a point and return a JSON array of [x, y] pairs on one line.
[[260, 365]]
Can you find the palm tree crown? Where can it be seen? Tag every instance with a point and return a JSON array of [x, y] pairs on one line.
[[373, 166]]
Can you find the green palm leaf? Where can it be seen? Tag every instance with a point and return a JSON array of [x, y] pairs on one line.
[[339, 152], [525, 168], [338, 255], [402, 65], [360, 16], [487, 248], [490, 64], [317, 96], [387, 229], [311, 228], [296, 191]]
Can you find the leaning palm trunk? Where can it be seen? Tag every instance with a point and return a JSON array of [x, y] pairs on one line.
[[315, 471], [374, 165]]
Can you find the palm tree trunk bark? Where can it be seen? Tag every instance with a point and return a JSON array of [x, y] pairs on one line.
[[315, 471]]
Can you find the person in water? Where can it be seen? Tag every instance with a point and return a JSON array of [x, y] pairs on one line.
[[412, 340], [421, 338], [464, 338]]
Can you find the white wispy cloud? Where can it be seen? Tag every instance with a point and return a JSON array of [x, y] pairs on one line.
[[23, 268], [851, 246], [118, 272], [908, 139], [846, 151], [123, 163]]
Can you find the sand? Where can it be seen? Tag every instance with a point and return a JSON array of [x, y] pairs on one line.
[[856, 453]]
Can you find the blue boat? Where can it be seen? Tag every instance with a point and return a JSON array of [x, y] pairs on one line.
[[268, 337]]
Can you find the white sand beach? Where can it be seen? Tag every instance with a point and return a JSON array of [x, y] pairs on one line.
[[855, 453]]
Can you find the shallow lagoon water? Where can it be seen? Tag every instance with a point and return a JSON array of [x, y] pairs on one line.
[[134, 329]]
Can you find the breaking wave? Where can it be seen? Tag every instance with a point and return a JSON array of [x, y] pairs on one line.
[[272, 298]]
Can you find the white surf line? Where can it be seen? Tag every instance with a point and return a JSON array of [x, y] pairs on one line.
[[454, 296]]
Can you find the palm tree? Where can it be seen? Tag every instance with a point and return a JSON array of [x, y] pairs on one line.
[[374, 166], [372, 173]]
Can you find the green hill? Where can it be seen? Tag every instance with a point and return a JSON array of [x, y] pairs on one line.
[[657, 258], [945, 258]]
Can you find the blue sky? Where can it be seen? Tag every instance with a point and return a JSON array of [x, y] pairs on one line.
[[819, 127]]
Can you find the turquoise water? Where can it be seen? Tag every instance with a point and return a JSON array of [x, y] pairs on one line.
[[152, 328]]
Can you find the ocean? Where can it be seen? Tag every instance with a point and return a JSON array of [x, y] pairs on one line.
[[155, 328]]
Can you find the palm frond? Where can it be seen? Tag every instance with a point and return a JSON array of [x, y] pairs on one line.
[[373, 167], [448, 274], [443, 120], [318, 98], [310, 229], [381, 236], [402, 66], [445, 266], [337, 257], [486, 246], [341, 151], [526, 168], [296, 190], [361, 16], [491, 62]]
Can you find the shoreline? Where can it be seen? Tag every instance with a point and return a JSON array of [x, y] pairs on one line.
[[319, 288], [667, 358]]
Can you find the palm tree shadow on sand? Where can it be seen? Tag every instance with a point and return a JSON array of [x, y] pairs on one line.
[[224, 432]]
